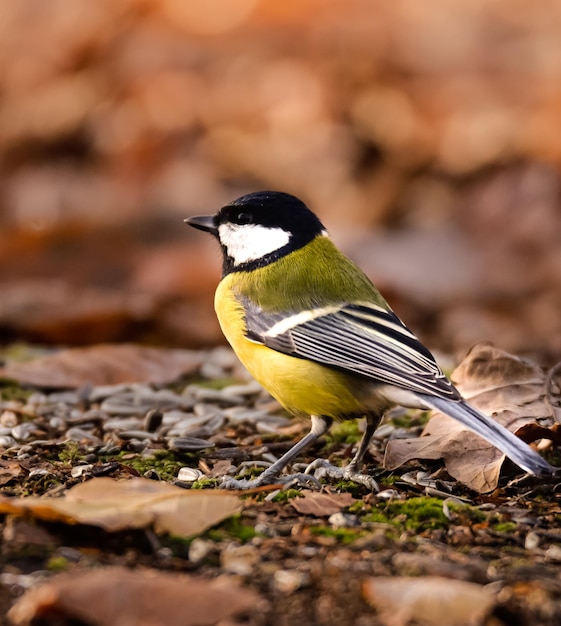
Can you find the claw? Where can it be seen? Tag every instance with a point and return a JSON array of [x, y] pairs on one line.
[[290, 480], [323, 469]]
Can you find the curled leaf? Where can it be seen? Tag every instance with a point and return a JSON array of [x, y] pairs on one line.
[[509, 389]]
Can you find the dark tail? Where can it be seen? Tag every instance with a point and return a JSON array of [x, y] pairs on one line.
[[492, 431]]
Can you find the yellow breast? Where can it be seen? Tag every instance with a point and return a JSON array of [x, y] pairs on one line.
[[301, 386]]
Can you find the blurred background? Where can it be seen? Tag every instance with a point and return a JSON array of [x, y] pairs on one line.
[[426, 135]]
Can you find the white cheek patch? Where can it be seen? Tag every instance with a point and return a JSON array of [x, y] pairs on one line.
[[249, 242]]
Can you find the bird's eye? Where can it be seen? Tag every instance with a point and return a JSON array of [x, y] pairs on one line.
[[244, 218]]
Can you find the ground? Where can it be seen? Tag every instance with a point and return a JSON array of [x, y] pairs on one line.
[[307, 553]]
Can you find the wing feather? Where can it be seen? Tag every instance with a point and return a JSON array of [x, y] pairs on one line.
[[362, 338]]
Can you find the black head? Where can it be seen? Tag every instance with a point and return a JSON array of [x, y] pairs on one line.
[[259, 228]]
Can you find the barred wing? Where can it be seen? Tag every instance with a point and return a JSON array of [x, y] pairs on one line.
[[358, 337]]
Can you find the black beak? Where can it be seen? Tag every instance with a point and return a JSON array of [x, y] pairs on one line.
[[203, 222]]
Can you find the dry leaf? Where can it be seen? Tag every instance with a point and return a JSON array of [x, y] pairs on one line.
[[508, 388], [321, 504], [553, 391], [104, 364], [135, 503], [132, 598], [9, 470], [427, 601]]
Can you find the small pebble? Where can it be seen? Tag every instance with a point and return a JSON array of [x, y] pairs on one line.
[[188, 444], [243, 414], [388, 494], [553, 553], [7, 442], [38, 472], [70, 554], [248, 389], [8, 419], [532, 541], [270, 426], [93, 415], [57, 423], [308, 552], [239, 560], [343, 520], [109, 448], [153, 420], [23, 431], [189, 474], [63, 397], [125, 405], [152, 475], [80, 470], [136, 445], [201, 409], [79, 434], [200, 549], [37, 398], [129, 423], [205, 430], [142, 435], [188, 422], [204, 394], [288, 581]]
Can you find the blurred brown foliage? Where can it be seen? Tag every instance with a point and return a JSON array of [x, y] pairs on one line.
[[427, 135]]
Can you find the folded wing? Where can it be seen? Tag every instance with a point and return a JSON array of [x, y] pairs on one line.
[[360, 337]]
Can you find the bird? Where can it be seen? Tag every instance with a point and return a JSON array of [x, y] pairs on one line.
[[313, 330]]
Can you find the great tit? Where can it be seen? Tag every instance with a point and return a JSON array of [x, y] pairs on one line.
[[313, 330]]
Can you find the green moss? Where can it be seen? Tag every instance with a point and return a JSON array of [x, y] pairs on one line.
[[415, 514], [467, 512], [388, 481], [12, 390], [377, 516], [504, 527], [346, 432], [71, 453], [348, 486], [285, 496], [178, 545], [343, 535], [57, 563], [206, 483], [232, 528], [358, 506]]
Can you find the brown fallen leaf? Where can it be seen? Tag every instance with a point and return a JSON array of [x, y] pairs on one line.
[[135, 503], [321, 504], [132, 598], [553, 391], [506, 387], [9, 471], [104, 364], [427, 601]]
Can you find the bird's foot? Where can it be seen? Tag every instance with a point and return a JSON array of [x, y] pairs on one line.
[[290, 480], [320, 468]]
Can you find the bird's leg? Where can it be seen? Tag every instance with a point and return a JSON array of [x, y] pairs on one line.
[[323, 469], [320, 425]]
